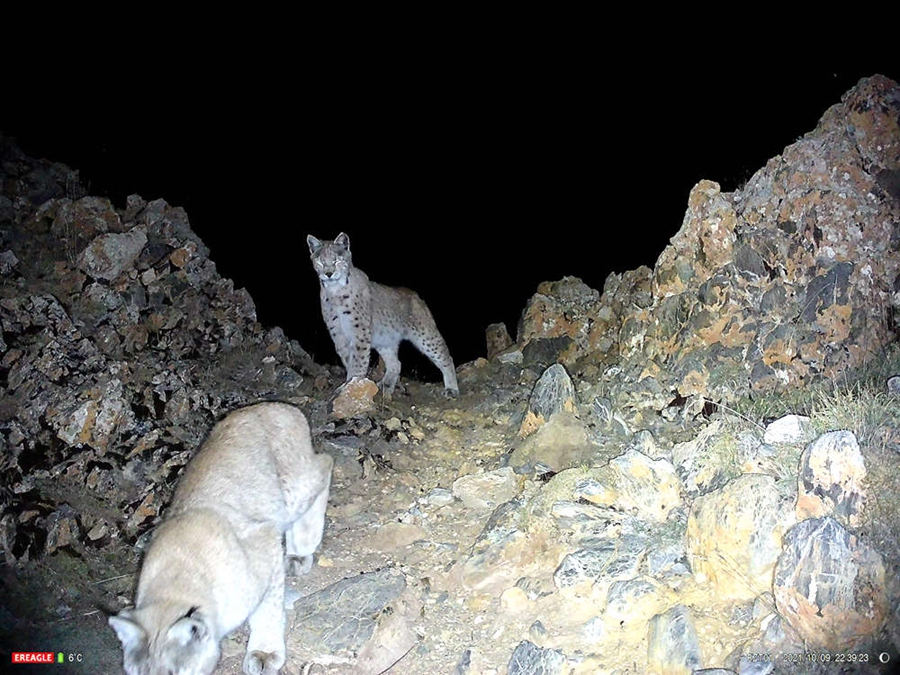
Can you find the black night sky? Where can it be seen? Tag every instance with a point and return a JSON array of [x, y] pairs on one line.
[[469, 181]]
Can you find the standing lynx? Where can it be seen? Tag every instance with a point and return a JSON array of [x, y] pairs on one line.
[[362, 315], [218, 559]]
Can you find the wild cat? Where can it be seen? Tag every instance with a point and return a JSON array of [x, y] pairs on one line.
[[362, 315], [218, 559]]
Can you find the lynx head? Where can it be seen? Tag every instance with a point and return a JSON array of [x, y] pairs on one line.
[[331, 259], [184, 647]]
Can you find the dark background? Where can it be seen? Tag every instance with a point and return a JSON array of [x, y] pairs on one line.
[[468, 180]]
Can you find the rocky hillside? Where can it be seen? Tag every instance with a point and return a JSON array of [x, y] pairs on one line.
[[622, 489]]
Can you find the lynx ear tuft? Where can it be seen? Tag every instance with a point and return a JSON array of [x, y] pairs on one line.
[[130, 633]]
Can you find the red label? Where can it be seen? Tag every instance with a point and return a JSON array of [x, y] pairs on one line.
[[33, 657]]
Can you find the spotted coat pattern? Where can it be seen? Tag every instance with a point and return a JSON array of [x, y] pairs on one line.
[[362, 315]]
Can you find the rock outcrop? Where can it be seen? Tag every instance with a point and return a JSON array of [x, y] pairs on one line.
[[121, 345], [787, 280]]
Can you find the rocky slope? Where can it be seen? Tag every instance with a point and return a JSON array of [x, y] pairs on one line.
[[593, 503]]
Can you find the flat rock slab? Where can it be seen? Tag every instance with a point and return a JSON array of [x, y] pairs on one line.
[[341, 618]]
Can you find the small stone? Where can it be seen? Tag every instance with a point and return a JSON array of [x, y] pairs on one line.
[[439, 497], [486, 490], [893, 385], [528, 659], [673, 648], [537, 630], [355, 399], [594, 630], [788, 429], [394, 536], [497, 338], [513, 600]]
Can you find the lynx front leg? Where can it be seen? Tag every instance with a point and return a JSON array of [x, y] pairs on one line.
[[356, 346]]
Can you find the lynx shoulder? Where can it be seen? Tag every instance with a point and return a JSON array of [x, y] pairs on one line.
[[217, 559], [362, 315]]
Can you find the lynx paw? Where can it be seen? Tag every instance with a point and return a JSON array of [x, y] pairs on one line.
[[297, 565], [263, 663], [451, 393]]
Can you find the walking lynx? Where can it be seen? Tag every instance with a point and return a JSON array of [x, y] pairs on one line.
[[362, 315], [218, 559]]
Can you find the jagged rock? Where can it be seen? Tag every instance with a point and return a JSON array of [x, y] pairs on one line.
[[110, 254], [611, 420], [829, 586], [734, 535], [355, 399], [503, 552], [605, 561], [8, 262], [586, 522], [552, 394], [391, 641], [673, 648], [485, 491], [118, 351], [562, 309], [62, 529], [641, 485], [788, 429], [528, 659], [633, 600], [631, 483], [703, 461], [497, 338], [832, 479], [439, 497], [558, 444]]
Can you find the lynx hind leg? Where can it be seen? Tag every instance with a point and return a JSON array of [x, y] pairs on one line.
[[304, 536], [427, 339], [433, 346], [266, 651], [451, 385]]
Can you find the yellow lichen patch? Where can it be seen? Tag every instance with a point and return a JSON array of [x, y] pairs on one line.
[[835, 323]]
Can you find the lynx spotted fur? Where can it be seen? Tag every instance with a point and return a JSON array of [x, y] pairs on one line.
[[362, 315]]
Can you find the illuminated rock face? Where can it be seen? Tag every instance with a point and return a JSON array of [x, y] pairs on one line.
[[786, 280]]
